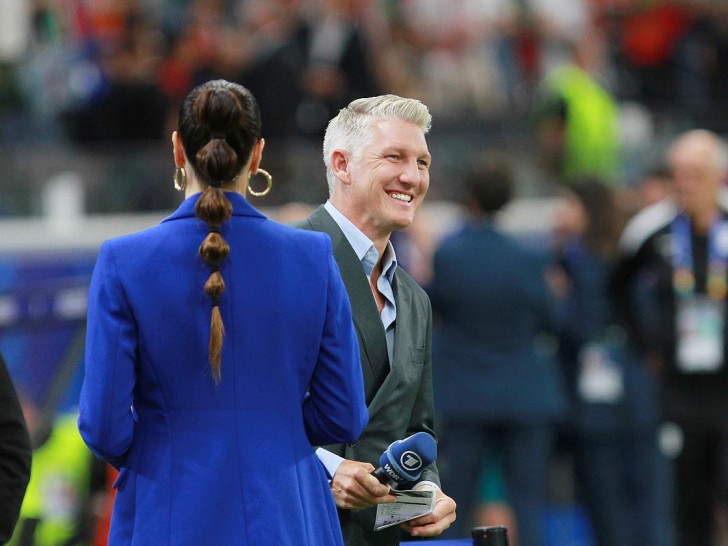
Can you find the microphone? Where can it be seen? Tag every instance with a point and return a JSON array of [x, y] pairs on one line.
[[404, 460]]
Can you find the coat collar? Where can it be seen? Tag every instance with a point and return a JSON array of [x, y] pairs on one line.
[[241, 207]]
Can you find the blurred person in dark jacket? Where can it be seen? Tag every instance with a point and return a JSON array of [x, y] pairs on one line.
[[495, 383], [612, 422], [671, 288]]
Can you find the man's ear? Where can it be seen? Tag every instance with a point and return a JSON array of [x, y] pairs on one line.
[[340, 166]]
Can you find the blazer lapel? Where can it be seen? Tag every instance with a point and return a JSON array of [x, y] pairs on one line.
[[364, 308]]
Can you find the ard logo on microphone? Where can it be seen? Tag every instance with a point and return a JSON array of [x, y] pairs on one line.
[[410, 461]]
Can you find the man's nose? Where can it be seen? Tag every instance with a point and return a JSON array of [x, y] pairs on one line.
[[411, 173]]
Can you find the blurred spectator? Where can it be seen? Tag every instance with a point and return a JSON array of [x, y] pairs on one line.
[[217, 41], [577, 119], [560, 23], [15, 455], [322, 62], [488, 55], [649, 33], [58, 507], [495, 383], [127, 103], [701, 65], [671, 287], [671, 51], [472, 56], [208, 42], [540, 41], [612, 424], [454, 51]]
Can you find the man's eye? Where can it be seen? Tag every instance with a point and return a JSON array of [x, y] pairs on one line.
[[424, 164]]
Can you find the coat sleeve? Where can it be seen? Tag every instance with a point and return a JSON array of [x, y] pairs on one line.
[[15, 456], [106, 415], [335, 410]]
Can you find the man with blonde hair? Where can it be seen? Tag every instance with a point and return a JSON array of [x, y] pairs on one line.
[[377, 165]]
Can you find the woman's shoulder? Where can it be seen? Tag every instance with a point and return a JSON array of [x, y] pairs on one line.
[[294, 235], [134, 239]]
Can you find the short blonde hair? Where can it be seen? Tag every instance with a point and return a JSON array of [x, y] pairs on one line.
[[353, 129]]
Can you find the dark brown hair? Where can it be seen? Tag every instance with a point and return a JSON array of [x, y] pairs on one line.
[[219, 124], [489, 182]]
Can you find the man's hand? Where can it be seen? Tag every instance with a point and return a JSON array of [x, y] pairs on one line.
[[434, 523], [355, 488]]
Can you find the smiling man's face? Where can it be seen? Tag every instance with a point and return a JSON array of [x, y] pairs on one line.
[[388, 179]]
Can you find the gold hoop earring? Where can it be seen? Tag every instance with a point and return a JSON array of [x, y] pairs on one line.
[[268, 177], [180, 173]]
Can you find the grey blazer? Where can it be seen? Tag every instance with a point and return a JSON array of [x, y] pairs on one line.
[[399, 400]]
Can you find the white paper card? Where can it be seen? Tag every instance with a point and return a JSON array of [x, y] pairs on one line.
[[409, 505]]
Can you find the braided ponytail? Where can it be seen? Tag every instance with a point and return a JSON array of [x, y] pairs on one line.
[[213, 207], [219, 125]]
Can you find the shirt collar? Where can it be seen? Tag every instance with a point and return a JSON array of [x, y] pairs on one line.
[[363, 246]]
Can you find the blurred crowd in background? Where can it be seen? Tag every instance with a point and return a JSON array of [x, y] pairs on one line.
[[111, 70], [581, 97], [91, 73]]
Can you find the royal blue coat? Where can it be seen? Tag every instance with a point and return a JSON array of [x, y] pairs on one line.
[[233, 463]]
